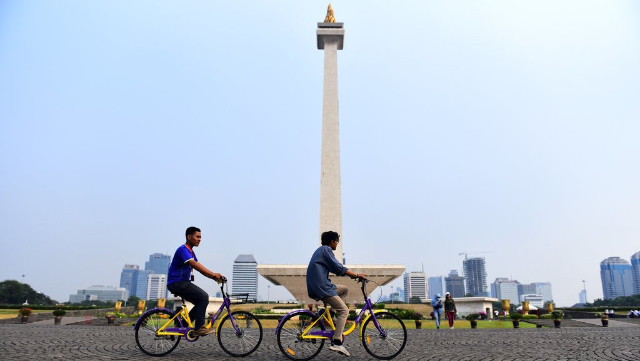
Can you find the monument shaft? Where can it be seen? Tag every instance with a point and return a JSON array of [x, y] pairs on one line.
[[330, 38]]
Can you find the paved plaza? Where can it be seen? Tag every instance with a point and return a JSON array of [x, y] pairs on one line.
[[71, 342]]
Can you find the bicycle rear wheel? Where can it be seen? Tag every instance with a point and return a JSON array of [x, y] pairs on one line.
[[389, 341], [290, 339], [146, 337], [245, 339]]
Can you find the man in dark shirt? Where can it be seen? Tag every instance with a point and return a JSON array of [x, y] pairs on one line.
[[319, 287], [179, 280]]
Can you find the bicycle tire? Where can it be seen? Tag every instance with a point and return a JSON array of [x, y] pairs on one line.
[[146, 337], [245, 340], [389, 345], [291, 344]]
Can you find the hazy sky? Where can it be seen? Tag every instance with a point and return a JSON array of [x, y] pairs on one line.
[[466, 126]]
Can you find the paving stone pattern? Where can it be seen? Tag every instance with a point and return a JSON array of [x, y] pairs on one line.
[[71, 342]]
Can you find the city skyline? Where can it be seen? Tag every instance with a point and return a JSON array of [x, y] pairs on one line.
[[464, 127]]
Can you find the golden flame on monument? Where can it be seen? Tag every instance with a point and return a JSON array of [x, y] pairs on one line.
[[329, 18]]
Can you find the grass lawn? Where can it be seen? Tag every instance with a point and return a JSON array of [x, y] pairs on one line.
[[13, 313]]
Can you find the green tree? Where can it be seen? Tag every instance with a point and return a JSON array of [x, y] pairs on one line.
[[415, 299], [132, 300], [13, 292]]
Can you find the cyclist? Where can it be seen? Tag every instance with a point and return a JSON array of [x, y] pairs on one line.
[[319, 286], [180, 279]]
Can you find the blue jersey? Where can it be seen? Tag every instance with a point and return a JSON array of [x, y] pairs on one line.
[[179, 270]]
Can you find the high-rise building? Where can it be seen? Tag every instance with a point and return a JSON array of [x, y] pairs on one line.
[[544, 289], [583, 296], [245, 276], [158, 263], [475, 274], [415, 285], [436, 285], [99, 293], [141, 287], [635, 272], [526, 289], [454, 284], [129, 278], [506, 289], [615, 274], [156, 286]]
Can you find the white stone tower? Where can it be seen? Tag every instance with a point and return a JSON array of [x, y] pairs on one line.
[[330, 39]]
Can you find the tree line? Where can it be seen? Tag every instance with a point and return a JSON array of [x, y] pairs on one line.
[[13, 292]]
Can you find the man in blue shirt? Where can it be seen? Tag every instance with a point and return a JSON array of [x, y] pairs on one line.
[[179, 280], [319, 286]]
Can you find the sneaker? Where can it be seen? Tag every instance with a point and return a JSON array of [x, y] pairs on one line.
[[339, 349], [451, 327], [203, 331]]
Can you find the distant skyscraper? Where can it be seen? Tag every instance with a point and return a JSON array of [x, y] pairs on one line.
[[436, 285], [129, 279], [454, 284], [415, 285], [526, 289], [506, 289], [156, 286], [544, 289], [635, 272], [245, 276], [475, 274], [159, 264], [141, 287], [583, 296], [615, 274]]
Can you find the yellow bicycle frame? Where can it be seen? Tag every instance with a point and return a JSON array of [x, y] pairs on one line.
[[326, 316]]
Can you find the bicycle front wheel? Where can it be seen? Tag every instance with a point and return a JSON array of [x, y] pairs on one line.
[[386, 342], [290, 339], [146, 337], [244, 338]]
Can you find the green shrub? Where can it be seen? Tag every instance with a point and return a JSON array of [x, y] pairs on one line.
[[546, 316], [379, 306], [529, 317], [515, 316], [472, 316], [557, 315], [59, 313]]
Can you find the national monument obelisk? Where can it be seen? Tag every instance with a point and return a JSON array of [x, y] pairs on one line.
[[330, 38]]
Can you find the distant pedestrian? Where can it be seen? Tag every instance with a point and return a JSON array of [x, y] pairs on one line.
[[450, 309], [496, 313], [436, 302]]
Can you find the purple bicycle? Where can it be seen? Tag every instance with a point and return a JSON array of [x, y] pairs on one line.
[[158, 331], [301, 334]]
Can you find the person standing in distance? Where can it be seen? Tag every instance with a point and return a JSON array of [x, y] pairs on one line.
[[319, 286], [450, 308], [180, 279], [436, 302]]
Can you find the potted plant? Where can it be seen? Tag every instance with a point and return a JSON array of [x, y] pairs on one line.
[[24, 312], [111, 318], [473, 318], [58, 316], [604, 318], [557, 318], [515, 318], [417, 316]]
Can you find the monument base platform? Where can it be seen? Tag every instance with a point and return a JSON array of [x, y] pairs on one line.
[[294, 279]]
